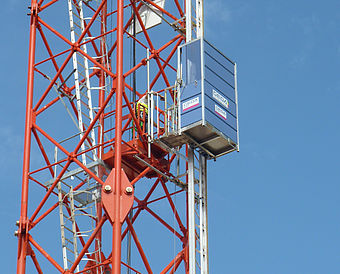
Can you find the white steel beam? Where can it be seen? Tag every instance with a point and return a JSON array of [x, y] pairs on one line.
[[203, 214], [188, 20], [199, 19], [191, 212]]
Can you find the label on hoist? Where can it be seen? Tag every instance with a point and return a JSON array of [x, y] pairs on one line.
[[191, 103], [221, 99], [220, 112]]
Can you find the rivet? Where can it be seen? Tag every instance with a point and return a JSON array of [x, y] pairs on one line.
[[107, 188], [129, 190]]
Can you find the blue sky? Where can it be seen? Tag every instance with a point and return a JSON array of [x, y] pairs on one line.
[[274, 207]]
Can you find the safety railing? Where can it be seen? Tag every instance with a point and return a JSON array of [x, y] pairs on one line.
[[163, 118]]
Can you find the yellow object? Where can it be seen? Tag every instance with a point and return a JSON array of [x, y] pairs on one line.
[[141, 107]]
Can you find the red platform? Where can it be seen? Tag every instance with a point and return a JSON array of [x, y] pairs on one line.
[[132, 166]]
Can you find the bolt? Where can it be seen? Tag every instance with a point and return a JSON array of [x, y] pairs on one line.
[[17, 223], [107, 188], [16, 233], [129, 190]]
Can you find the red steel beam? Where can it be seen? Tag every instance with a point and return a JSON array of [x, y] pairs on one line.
[[178, 262], [23, 222], [48, 48], [173, 262], [164, 223], [45, 254], [43, 152], [183, 229], [48, 4], [35, 261], [139, 246], [117, 228]]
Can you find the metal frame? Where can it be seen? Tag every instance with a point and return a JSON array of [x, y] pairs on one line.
[[93, 45]]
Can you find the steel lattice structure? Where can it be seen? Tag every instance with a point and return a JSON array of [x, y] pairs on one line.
[[99, 193]]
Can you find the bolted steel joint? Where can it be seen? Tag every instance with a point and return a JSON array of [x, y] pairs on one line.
[[129, 190], [107, 188], [17, 223], [16, 233]]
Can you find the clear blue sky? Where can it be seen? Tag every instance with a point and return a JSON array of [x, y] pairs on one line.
[[275, 206]]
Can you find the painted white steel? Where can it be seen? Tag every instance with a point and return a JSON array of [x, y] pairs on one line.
[[69, 234], [199, 19], [84, 100], [151, 114], [179, 84], [203, 197], [202, 77], [191, 212], [74, 229], [61, 213], [236, 99], [188, 20], [148, 98]]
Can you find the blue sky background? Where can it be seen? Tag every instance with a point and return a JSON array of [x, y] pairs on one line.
[[275, 206]]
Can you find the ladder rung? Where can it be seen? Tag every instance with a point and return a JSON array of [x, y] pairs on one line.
[[65, 205], [71, 242], [84, 77], [82, 235], [72, 251], [76, 15], [83, 66], [86, 115], [69, 219], [75, 5], [70, 230], [84, 95], [77, 25], [83, 85], [97, 88]]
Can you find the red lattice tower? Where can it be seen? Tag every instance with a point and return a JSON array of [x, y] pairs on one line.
[[99, 194]]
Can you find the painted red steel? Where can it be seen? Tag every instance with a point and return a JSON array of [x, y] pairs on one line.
[[122, 168]]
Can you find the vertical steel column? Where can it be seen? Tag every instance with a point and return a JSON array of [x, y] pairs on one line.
[[236, 97], [203, 214], [148, 98], [100, 141], [191, 211], [199, 19], [188, 20], [116, 243], [23, 222], [102, 79]]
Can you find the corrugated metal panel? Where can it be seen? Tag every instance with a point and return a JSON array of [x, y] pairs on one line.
[[227, 130], [218, 56], [218, 82], [220, 112], [219, 70], [191, 117], [221, 98]]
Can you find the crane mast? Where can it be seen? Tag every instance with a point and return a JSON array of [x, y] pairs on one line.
[[122, 116]]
